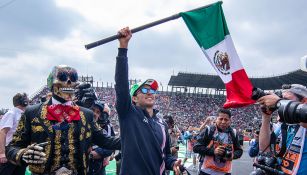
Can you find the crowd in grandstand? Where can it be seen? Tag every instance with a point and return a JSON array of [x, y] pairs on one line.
[[190, 109], [187, 109]]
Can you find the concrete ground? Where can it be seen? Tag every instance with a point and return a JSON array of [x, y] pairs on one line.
[[242, 166]]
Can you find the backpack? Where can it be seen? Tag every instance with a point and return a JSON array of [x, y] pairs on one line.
[[231, 131]]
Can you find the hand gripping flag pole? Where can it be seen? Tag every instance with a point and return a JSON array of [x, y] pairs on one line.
[[137, 29]]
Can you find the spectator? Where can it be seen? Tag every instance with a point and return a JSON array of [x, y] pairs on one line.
[[174, 134], [296, 133], [8, 126], [100, 156], [219, 145], [190, 136], [254, 145]]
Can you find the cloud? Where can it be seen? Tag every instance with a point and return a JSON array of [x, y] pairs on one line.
[[269, 37], [26, 57], [23, 22], [36, 35]]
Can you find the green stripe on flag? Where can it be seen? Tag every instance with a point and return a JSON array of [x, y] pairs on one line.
[[207, 25]]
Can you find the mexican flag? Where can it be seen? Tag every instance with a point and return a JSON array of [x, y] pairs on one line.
[[209, 28]]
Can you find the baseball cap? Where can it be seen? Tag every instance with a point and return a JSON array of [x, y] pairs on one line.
[[99, 104], [150, 82], [298, 89]]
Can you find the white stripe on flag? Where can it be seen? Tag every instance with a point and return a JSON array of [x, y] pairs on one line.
[[225, 46]]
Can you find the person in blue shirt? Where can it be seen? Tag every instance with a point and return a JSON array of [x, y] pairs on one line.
[[294, 161], [144, 136], [254, 145]]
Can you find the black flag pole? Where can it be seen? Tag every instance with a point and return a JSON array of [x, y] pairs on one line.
[[137, 29]]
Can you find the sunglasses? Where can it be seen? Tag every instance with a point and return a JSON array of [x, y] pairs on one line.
[[145, 91], [64, 75]]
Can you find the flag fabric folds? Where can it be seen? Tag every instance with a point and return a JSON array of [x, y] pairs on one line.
[[209, 28]]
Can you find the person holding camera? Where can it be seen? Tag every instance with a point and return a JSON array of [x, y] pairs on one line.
[[289, 140], [144, 136], [55, 137], [8, 126], [219, 145], [99, 157], [254, 144]]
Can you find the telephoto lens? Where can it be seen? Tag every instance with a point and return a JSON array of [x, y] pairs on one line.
[[292, 112]]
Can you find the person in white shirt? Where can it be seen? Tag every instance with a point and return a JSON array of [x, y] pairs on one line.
[[8, 125]]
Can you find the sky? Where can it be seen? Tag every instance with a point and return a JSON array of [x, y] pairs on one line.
[[270, 38]]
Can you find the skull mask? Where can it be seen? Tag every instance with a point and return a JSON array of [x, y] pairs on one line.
[[62, 81]]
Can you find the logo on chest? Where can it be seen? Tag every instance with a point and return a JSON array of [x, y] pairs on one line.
[[145, 120]]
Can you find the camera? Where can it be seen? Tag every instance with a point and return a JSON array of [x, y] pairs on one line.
[[227, 154], [267, 164], [292, 111], [86, 95], [258, 93], [103, 118], [87, 102]]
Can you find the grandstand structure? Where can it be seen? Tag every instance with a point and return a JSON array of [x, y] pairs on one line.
[[208, 84], [193, 97]]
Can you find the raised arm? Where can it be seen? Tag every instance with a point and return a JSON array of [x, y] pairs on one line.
[[265, 133], [123, 99]]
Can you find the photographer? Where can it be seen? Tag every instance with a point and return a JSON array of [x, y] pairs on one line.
[[99, 156], [254, 145], [174, 134], [290, 139], [219, 145]]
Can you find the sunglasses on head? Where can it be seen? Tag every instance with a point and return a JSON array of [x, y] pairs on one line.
[[145, 91], [64, 75]]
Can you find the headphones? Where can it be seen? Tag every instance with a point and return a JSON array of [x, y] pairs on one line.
[[23, 100]]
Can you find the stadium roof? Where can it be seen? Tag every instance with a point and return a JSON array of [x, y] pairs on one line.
[[214, 81]]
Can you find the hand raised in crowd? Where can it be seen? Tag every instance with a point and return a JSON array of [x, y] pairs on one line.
[[269, 100], [125, 35], [176, 167]]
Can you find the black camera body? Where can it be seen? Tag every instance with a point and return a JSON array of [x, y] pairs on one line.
[[103, 118], [86, 95], [258, 93], [267, 164], [227, 154]]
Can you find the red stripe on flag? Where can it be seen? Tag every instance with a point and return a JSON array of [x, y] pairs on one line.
[[239, 90]]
